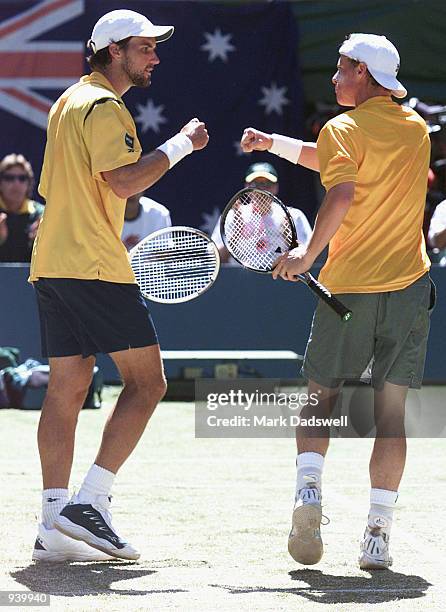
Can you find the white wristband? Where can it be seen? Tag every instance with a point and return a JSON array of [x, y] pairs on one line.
[[176, 148], [288, 148]]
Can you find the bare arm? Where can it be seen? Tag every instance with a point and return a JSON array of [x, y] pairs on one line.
[[329, 219], [302, 153], [308, 157], [330, 216], [134, 178]]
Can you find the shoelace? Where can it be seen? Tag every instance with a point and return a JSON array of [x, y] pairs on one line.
[[102, 504], [376, 541], [311, 493], [325, 520]]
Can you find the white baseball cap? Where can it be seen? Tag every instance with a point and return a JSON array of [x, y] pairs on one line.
[[117, 25], [381, 57]]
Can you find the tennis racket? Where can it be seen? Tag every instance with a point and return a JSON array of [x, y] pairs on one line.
[[256, 228], [175, 264]]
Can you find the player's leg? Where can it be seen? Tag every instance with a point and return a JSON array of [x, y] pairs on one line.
[[119, 324], [142, 373], [70, 377], [400, 353], [68, 385], [386, 469], [389, 450], [88, 516], [305, 542], [311, 438], [69, 380], [335, 351]]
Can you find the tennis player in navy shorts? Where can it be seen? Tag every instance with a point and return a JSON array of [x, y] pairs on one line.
[[87, 296]]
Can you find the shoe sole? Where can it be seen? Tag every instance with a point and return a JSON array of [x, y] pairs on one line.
[[58, 557], [77, 532], [366, 562], [304, 542]]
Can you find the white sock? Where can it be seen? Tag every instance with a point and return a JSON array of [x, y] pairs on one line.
[[382, 505], [53, 501], [98, 481], [309, 466]]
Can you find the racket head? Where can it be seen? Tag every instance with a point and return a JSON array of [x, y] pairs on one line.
[[175, 264], [257, 228]]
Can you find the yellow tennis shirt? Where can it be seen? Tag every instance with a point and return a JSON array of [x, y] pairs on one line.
[[384, 148], [89, 131]]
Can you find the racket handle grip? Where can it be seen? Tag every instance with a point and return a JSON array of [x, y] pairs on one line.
[[327, 297]]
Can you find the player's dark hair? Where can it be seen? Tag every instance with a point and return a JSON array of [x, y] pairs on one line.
[[102, 58]]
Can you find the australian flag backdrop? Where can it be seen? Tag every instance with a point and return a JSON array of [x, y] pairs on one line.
[[232, 66]]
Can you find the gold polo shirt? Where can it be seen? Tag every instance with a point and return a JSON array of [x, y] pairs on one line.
[[90, 131], [384, 148]]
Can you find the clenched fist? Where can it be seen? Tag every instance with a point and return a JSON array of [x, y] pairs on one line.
[[196, 131], [255, 140]]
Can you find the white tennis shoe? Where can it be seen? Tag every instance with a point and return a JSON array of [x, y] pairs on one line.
[[305, 542], [51, 545], [374, 550]]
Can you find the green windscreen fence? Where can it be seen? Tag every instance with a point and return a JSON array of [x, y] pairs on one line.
[[416, 27]]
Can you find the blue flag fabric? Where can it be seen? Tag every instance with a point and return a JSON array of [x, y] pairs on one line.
[[231, 66]]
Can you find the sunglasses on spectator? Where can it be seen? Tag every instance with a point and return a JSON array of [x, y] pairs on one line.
[[9, 178]]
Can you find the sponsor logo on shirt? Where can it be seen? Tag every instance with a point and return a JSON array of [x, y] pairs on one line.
[[130, 142]]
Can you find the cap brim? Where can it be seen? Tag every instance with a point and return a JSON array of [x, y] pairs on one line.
[[160, 33], [389, 82], [265, 175]]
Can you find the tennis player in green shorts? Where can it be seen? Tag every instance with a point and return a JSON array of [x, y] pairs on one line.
[[86, 291], [373, 162]]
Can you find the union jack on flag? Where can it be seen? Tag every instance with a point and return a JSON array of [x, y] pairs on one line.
[[27, 65]]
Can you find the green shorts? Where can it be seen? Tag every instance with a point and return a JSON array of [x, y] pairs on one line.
[[385, 340]]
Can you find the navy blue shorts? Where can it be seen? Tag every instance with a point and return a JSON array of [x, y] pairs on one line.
[[85, 317]]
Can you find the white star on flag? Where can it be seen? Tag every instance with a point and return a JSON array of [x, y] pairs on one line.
[[210, 221], [274, 99], [150, 116], [218, 45]]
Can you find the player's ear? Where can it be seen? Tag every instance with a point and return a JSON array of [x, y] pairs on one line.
[[361, 69], [115, 51]]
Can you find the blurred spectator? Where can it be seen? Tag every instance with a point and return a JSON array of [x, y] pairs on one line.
[[437, 233], [433, 198], [142, 217], [264, 176], [19, 215]]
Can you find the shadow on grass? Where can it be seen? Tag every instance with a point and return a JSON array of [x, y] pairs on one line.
[[377, 586], [80, 579], [373, 588]]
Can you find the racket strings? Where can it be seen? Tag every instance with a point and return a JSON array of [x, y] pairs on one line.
[[175, 265], [257, 230]]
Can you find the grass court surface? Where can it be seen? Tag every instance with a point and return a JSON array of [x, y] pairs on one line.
[[211, 519]]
